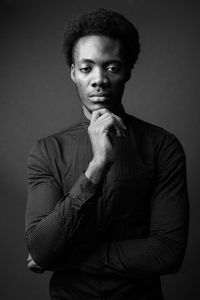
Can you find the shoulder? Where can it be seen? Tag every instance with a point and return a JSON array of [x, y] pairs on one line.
[[159, 139], [147, 128], [54, 144]]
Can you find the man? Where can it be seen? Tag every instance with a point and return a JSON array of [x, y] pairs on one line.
[[107, 209]]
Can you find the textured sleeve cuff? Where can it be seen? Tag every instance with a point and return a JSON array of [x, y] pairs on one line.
[[83, 190]]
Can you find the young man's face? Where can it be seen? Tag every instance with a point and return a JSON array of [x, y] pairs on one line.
[[99, 72]]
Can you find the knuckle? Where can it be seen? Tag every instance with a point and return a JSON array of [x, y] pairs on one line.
[[95, 112], [110, 118], [109, 122], [105, 110]]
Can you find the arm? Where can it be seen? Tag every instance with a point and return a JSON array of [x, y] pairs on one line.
[[51, 218], [162, 252]]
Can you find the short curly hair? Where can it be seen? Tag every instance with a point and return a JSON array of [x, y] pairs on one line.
[[102, 22]]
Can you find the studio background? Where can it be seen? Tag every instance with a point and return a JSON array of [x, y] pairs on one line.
[[38, 98]]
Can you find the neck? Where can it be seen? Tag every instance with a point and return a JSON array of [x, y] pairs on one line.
[[87, 113]]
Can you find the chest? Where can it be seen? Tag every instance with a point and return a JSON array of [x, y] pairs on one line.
[[127, 186]]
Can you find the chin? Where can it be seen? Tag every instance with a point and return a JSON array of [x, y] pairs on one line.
[[107, 105], [97, 106]]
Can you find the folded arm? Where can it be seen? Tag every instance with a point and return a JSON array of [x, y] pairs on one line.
[[51, 218], [162, 252], [53, 221]]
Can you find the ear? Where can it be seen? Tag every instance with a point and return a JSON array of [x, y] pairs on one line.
[[73, 77]]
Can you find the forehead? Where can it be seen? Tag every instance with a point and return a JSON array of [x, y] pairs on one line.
[[97, 48]]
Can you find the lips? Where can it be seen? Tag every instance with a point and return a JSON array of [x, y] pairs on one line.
[[100, 95]]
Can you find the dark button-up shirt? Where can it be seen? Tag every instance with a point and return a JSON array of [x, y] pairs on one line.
[[112, 240]]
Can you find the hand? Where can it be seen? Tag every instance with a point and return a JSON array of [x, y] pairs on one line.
[[104, 128], [33, 266]]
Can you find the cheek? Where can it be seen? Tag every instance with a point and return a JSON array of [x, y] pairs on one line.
[[80, 86], [81, 83], [119, 85]]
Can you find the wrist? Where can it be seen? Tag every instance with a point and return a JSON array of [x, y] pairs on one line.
[[95, 171], [98, 164]]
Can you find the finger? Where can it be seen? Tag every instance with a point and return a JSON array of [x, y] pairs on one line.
[[106, 122], [37, 270], [119, 131], [32, 264], [103, 113], [29, 258], [106, 115], [105, 118], [111, 127], [98, 113], [120, 121], [34, 267], [119, 125]]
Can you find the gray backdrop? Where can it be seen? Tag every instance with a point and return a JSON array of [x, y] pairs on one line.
[[38, 98]]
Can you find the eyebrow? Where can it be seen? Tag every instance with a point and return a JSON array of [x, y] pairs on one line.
[[90, 61], [85, 60]]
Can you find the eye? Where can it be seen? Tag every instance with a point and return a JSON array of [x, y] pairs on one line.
[[113, 69], [85, 69]]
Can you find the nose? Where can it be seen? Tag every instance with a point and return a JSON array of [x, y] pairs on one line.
[[99, 79]]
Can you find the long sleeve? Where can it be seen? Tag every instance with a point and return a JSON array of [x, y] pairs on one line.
[[51, 217], [118, 237], [163, 250]]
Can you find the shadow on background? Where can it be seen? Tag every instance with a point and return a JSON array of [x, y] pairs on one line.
[[38, 98]]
